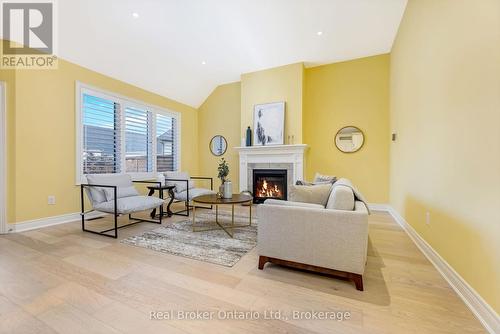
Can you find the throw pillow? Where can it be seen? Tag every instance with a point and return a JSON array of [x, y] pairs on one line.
[[341, 198], [303, 183], [306, 183], [180, 186], [319, 178], [121, 192], [98, 194], [316, 194]]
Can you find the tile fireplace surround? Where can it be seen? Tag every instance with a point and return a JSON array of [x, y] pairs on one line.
[[289, 157]]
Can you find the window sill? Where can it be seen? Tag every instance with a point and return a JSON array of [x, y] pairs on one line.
[[135, 177]]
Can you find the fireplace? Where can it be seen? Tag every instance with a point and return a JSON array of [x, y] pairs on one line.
[[269, 183]]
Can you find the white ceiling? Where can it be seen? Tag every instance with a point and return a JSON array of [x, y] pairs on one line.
[[162, 50]]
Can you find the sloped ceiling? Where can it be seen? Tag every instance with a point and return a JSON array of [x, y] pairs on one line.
[[183, 49]]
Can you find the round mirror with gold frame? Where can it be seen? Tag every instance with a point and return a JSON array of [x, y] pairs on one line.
[[218, 145], [349, 139]]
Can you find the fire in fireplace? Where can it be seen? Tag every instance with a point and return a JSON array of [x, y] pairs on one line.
[[269, 183]]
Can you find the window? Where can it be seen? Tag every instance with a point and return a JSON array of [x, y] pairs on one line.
[[165, 143], [119, 135], [101, 136], [137, 141]]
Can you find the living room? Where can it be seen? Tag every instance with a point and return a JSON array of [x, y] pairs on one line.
[[266, 166]]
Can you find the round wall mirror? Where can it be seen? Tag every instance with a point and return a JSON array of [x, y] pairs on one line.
[[218, 145], [349, 139]]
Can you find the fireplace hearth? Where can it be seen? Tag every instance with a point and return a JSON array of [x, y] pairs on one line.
[[269, 183]]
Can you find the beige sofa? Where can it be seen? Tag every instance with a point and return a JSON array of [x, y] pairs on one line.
[[331, 239]]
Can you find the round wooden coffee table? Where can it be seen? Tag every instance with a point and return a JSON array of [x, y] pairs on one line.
[[214, 200]]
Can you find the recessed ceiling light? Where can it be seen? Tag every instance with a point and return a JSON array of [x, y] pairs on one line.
[[203, 62], [135, 15], [319, 33]]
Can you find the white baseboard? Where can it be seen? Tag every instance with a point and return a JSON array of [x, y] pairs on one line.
[[49, 221], [479, 307]]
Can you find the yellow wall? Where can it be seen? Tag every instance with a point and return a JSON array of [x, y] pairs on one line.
[[320, 101], [349, 93], [220, 115], [445, 107], [9, 78], [274, 85], [45, 136]]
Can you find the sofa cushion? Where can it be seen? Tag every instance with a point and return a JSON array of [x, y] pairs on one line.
[[180, 186], [120, 192], [193, 192], [130, 204], [341, 198], [97, 194], [290, 203], [316, 194]]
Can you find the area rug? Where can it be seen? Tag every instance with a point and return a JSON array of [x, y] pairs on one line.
[[210, 246]]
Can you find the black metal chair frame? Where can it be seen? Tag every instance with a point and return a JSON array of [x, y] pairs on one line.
[[115, 214], [185, 212]]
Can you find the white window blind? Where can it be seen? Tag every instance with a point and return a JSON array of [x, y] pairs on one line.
[[166, 137], [138, 155], [101, 136], [119, 135]]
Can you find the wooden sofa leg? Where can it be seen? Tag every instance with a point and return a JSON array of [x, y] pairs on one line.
[[356, 278], [358, 281], [262, 261]]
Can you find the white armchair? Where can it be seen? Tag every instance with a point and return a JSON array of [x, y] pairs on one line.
[[116, 195], [313, 237], [185, 189]]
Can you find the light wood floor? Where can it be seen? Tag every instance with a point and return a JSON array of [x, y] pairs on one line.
[[60, 280]]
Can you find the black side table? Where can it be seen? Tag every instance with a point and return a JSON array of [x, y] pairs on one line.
[[161, 190]]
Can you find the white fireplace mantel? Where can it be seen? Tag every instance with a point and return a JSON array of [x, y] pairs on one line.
[[271, 154]]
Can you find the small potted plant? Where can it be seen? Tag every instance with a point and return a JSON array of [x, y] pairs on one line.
[[226, 188]]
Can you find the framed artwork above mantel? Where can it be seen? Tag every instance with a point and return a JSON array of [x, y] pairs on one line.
[[269, 124]]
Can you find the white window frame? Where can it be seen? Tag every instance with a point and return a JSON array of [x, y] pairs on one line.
[[124, 102]]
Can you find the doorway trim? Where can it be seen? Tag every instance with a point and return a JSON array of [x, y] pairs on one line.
[[3, 157]]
